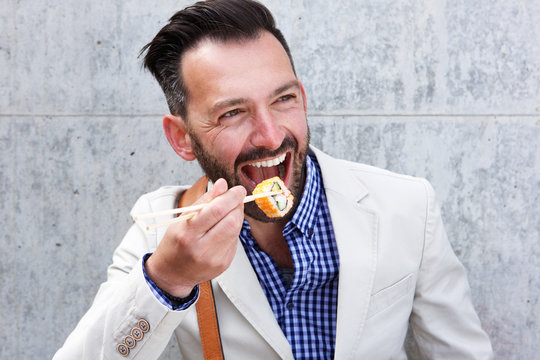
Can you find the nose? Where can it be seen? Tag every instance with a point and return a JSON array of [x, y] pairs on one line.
[[267, 132]]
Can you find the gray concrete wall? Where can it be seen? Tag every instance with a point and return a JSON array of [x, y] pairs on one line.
[[447, 90]]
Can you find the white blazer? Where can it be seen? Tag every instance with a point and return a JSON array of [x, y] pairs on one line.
[[396, 268]]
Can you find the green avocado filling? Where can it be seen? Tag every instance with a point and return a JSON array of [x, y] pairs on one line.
[[281, 205], [281, 201], [276, 187]]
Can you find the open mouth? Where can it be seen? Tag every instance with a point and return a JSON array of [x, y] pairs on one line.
[[257, 171]]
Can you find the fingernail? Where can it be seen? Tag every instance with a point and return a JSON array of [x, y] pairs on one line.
[[241, 189], [221, 180]]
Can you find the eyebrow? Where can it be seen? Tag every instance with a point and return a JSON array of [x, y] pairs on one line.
[[286, 86], [227, 103], [238, 101]]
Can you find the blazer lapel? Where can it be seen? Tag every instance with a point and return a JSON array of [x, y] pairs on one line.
[[356, 235], [239, 282], [355, 228]]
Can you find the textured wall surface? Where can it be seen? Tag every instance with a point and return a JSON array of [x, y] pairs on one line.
[[447, 90]]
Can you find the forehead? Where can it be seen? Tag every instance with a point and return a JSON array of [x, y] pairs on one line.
[[238, 67], [208, 47]]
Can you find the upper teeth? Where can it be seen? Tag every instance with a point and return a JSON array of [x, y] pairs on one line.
[[269, 163]]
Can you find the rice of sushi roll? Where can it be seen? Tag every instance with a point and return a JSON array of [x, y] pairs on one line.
[[276, 205]]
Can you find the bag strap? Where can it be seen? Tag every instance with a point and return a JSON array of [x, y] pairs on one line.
[[208, 323], [206, 307]]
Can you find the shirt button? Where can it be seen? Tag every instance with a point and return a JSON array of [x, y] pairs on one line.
[[310, 232], [290, 305]]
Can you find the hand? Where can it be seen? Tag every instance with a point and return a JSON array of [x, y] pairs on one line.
[[201, 248]]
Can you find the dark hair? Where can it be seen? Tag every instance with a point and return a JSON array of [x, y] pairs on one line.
[[219, 20]]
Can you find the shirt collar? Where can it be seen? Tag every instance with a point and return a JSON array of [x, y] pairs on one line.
[[304, 217]]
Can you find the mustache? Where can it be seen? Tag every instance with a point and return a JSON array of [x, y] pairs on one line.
[[289, 143]]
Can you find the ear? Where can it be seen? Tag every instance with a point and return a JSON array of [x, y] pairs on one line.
[[303, 96], [176, 132]]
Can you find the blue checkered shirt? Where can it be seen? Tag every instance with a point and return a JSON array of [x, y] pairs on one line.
[[306, 309]]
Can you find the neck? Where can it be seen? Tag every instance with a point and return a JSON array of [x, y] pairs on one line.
[[270, 238]]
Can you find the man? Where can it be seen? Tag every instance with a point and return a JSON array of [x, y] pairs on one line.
[[362, 254]]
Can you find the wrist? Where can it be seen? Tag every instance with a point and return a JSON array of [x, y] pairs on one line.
[[177, 301], [170, 290]]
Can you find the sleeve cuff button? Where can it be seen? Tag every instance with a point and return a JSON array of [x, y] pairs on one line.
[[137, 334], [130, 342], [144, 325], [123, 350]]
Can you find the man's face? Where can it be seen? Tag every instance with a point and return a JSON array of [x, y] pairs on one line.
[[246, 114]]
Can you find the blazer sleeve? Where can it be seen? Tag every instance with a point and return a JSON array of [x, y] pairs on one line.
[[443, 321], [126, 320]]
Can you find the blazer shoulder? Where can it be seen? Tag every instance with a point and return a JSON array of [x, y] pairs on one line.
[[349, 177], [370, 171], [375, 177]]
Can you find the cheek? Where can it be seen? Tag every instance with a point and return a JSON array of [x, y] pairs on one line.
[[227, 146], [300, 130]]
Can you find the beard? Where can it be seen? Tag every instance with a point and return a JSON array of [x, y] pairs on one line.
[[216, 169]]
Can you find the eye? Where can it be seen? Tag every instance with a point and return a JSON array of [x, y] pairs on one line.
[[286, 97], [230, 114]]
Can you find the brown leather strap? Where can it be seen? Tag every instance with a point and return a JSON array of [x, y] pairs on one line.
[[206, 308], [193, 193], [208, 323]]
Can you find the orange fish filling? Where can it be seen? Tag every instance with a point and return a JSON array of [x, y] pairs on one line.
[[276, 205]]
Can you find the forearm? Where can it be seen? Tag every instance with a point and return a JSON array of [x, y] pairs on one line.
[[121, 302], [117, 309]]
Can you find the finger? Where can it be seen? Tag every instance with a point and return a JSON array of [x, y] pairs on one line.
[[216, 210], [219, 188], [221, 241], [226, 255], [223, 204], [227, 229]]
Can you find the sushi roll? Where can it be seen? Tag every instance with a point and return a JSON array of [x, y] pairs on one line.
[[276, 205]]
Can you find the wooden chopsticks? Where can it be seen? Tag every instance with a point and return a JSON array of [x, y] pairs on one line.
[[190, 211]]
